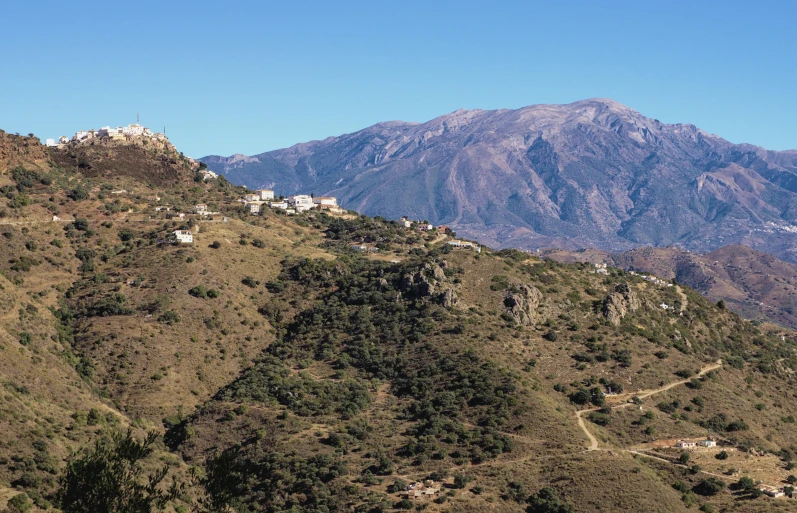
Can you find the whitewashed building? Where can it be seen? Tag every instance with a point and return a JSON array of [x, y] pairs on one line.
[[201, 208], [50, 142], [251, 197], [325, 202], [300, 200], [265, 194], [184, 236], [253, 207]]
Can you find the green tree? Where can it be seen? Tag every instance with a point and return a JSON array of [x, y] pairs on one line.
[[746, 484], [710, 486], [547, 500], [110, 478]]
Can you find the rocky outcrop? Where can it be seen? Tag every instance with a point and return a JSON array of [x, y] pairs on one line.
[[620, 303], [449, 298], [521, 302], [430, 281]]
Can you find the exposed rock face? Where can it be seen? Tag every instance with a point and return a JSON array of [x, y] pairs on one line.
[[430, 281], [619, 303], [593, 173], [521, 303], [449, 298], [424, 282]]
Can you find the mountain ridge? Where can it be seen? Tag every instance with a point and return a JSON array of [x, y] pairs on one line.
[[593, 173]]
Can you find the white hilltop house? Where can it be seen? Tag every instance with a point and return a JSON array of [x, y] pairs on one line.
[[183, 236], [463, 244]]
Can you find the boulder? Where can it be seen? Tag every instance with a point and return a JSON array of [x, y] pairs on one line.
[[521, 302]]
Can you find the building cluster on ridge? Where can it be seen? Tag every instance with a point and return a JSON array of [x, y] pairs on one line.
[[255, 202], [120, 132]]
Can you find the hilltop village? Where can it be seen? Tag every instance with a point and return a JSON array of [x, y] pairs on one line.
[[117, 133]]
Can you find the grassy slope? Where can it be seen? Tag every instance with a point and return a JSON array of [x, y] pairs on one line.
[[144, 370]]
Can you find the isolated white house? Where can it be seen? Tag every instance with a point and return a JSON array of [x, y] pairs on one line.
[[707, 443], [184, 236], [425, 227], [201, 208], [685, 444], [50, 142], [265, 194]]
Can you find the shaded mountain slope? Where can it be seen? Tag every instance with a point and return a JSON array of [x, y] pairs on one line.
[[591, 173]]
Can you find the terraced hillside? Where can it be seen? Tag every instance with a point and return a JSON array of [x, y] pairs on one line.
[[279, 369]]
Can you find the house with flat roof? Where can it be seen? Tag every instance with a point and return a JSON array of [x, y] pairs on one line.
[[183, 236]]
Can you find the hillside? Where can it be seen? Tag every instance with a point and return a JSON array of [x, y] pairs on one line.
[[588, 174], [281, 369], [754, 284]]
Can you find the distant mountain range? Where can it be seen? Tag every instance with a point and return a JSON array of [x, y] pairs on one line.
[[593, 173], [754, 284]]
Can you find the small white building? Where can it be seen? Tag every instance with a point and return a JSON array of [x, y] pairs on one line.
[[303, 208], [707, 443], [50, 142], [425, 227], [184, 236], [63, 139], [201, 208], [163, 209], [685, 444], [251, 197], [406, 223], [253, 207], [463, 244], [278, 204], [302, 200], [772, 491], [207, 174], [325, 202], [265, 194]]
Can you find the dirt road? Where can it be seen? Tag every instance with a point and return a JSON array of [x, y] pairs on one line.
[[593, 442]]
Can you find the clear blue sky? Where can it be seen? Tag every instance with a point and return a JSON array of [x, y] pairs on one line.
[[246, 77]]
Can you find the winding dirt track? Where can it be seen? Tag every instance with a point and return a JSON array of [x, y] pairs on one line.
[[642, 394]]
